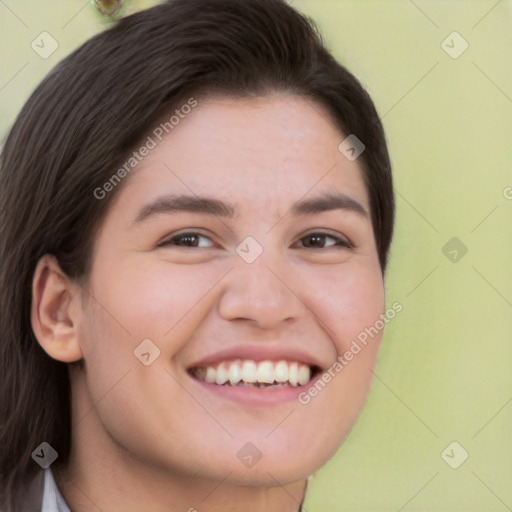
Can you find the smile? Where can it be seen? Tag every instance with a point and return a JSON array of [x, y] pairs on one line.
[[255, 374]]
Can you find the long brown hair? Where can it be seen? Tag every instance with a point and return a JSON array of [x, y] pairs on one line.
[[78, 127]]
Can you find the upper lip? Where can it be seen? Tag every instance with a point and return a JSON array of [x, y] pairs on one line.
[[259, 352]]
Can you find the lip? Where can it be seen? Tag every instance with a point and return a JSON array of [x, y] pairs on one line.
[[256, 396], [259, 353]]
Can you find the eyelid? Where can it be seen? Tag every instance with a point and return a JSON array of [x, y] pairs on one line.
[[344, 241], [341, 240], [190, 231]]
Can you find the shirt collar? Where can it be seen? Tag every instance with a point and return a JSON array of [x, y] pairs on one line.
[[54, 502], [52, 498]]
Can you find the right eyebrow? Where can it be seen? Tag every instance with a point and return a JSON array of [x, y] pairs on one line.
[[185, 203]]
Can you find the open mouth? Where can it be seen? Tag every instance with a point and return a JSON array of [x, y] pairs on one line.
[[247, 373]]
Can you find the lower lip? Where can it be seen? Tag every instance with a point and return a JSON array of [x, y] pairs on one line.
[[257, 396]]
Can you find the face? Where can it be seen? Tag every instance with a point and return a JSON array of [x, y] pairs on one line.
[[270, 282]]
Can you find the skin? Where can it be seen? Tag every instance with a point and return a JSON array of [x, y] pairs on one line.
[[150, 437]]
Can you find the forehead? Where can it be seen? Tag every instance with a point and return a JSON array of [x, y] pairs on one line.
[[267, 149]]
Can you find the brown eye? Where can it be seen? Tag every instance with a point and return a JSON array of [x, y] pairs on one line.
[[319, 240], [188, 239]]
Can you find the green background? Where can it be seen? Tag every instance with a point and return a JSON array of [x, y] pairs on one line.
[[444, 370]]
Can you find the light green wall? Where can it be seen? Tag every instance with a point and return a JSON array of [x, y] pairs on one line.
[[444, 372]]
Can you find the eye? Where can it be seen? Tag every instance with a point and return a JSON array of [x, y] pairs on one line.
[[186, 239], [318, 241], [312, 241]]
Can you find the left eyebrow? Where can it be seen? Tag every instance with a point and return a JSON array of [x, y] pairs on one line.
[[209, 206], [328, 201]]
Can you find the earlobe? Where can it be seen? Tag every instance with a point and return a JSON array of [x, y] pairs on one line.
[[54, 311]]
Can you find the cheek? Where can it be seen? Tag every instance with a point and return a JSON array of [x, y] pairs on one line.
[[132, 303], [151, 299], [348, 301]]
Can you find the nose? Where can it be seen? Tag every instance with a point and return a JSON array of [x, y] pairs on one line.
[[261, 292]]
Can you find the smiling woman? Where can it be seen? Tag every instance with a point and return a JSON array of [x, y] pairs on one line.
[[157, 343]]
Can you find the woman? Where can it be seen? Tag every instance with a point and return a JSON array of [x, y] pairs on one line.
[[196, 213]]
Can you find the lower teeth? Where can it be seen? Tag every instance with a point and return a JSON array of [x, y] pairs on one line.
[[256, 385]]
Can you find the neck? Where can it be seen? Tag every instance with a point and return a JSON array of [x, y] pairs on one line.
[[101, 474], [110, 488]]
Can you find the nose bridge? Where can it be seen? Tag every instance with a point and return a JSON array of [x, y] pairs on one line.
[[261, 290]]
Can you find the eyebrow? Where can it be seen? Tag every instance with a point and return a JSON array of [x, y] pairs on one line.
[[171, 203]]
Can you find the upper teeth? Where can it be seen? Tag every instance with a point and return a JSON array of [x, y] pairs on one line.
[[252, 372]]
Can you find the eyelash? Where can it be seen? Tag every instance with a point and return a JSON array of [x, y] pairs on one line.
[[340, 242]]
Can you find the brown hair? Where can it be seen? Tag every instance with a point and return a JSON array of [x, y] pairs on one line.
[[80, 124]]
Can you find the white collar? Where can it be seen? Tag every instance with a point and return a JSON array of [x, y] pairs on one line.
[[54, 502], [52, 498]]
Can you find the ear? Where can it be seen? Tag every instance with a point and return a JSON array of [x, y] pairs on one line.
[[54, 312]]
